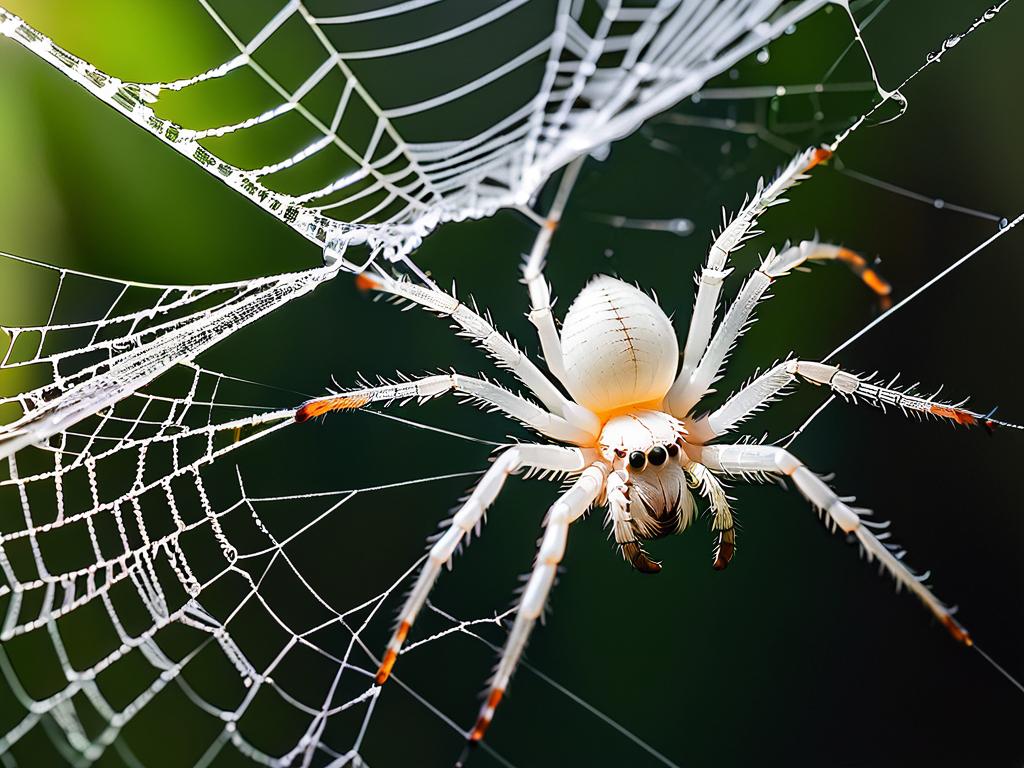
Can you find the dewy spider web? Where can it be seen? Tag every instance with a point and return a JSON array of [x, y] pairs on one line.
[[393, 164], [130, 517]]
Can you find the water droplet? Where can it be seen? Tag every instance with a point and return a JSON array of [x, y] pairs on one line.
[[939, 203], [951, 41], [763, 56], [608, 253], [695, 98], [1003, 223], [780, 90], [734, 74], [791, 29]]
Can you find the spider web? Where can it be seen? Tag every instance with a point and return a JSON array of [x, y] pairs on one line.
[[380, 162], [130, 520]]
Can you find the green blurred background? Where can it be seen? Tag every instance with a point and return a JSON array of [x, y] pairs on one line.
[[798, 654]]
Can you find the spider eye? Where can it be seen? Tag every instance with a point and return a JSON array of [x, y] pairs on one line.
[[657, 455], [637, 459], [673, 450]]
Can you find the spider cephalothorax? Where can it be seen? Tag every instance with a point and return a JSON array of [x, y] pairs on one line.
[[632, 435], [646, 449]]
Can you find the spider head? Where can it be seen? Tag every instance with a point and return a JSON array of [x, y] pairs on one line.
[[659, 499], [647, 445]]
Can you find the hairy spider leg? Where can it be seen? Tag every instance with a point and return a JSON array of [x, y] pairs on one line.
[[506, 402], [737, 318], [732, 236], [747, 460], [763, 390], [683, 394], [482, 332], [533, 275], [722, 522], [468, 518], [567, 509]]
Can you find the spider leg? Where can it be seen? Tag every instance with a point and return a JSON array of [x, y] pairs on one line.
[[763, 390], [747, 460], [480, 330], [533, 275], [568, 508], [508, 403], [757, 395], [850, 386], [467, 518], [722, 522], [617, 491], [685, 393], [709, 283]]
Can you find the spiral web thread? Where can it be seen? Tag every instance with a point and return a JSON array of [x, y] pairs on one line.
[[108, 402], [395, 165]]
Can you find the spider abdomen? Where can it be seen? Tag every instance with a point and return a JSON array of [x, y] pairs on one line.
[[619, 347]]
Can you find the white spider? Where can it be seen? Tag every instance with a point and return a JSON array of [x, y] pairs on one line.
[[637, 446]]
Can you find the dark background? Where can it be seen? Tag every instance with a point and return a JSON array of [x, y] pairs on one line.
[[799, 653]]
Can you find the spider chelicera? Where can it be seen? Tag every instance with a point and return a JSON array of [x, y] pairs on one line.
[[631, 434]]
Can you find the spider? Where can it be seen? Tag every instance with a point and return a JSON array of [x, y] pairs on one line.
[[632, 436]]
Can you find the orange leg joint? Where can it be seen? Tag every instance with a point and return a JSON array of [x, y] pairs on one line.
[[391, 654]]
